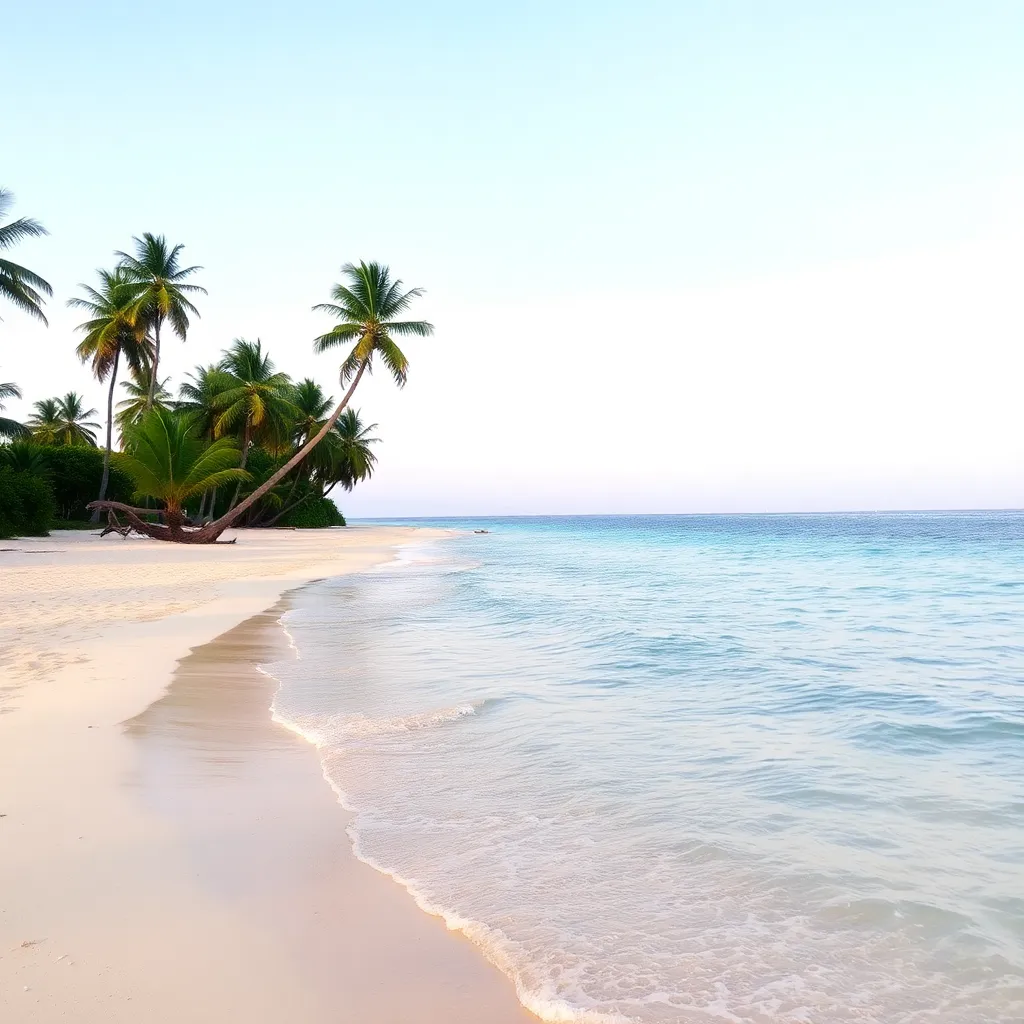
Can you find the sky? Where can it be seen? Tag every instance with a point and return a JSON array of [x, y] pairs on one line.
[[681, 256]]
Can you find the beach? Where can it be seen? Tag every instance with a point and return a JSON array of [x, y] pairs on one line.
[[167, 851]]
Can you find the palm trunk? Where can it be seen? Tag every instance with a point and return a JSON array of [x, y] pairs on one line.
[[241, 465], [105, 479], [156, 364], [202, 506], [215, 529]]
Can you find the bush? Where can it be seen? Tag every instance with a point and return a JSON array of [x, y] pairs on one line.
[[75, 473], [314, 513], [26, 504]]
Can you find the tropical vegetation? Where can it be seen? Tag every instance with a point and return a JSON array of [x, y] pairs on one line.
[[19, 285], [237, 442]]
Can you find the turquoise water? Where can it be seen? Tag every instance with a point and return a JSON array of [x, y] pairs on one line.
[[688, 769]]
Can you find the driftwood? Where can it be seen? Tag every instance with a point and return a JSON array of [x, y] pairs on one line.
[[175, 529], [114, 525]]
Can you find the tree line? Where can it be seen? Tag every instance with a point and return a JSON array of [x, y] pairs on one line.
[[241, 444]]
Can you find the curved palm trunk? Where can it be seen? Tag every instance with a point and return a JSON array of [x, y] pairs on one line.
[[156, 364], [172, 532], [105, 479], [209, 533], [245, 457], [212, 531]]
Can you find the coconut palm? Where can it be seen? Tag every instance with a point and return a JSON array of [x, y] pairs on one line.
[[18, 284], [169, 461], [199, 397], [366, 308], [8, 427], [350, 445], [42, 424], [63, 421], [131, 409], [311, 406], [256, 401], [111, 331], [199, 401], [161, 292]]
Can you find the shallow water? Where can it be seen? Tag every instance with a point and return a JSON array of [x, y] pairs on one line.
[[682, 769]]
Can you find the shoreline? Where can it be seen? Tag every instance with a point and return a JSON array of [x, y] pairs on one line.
[[119, 900]]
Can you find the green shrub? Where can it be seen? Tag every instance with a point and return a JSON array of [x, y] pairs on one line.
[[75, 473], [26, 504], [314, 513]]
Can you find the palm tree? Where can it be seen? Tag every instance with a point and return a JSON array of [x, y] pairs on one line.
[[168, 461], [132, 408], [366, 308], [63, 421], [256, 400], [161, 291], [43, 423], [111, 331], [24, 457], [8, 427], [18, 284], [352, 458], [311, 405], [199, 397], [345, 457], [199, 401]]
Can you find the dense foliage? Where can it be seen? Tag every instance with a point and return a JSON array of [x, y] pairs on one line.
[[26, 504], [70, 473], [240, 444]]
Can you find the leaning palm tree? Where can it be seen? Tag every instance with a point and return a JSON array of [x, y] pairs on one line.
[[18, 284], [256, 401], [10, 428], [111, 331], [63, 421], [168, 461], [367, 308], [131, 409], [161, 291]]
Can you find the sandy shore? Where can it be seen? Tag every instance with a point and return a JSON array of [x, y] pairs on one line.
[[167, 853]]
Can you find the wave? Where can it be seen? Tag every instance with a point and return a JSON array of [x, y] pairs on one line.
[[361, 725], [494, 945]]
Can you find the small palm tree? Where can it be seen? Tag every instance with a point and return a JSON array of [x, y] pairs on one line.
[[367, 308], [311, 406], [63, 421], [18, 284], [25, 457], [199, 402], [199, 397], [131, 409], [43, 423], [168, 461], [350, 444], [256, 401], [111, 331], [161, 291], [8, 427]]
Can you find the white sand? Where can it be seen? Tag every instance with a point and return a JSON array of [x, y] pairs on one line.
[[192, 866]]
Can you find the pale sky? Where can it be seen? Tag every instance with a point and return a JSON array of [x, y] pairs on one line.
[[720, 256]]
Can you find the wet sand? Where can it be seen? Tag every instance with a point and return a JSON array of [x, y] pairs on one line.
[[184, 860]]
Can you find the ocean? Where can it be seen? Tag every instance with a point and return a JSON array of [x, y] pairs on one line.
[[693, 768]]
